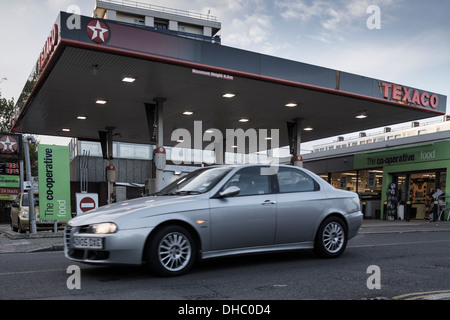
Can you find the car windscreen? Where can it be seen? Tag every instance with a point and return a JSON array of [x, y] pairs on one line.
[[197, 182]]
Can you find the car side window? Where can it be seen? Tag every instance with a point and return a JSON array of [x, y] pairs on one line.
[[293, 180], [250, 181]]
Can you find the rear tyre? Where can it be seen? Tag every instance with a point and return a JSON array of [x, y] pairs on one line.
[[170, 252], [331, 239]]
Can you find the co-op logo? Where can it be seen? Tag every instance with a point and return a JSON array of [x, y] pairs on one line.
[[98, 31]]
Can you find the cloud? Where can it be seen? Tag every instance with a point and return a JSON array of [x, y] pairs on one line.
[[327, 20], [247, 31]]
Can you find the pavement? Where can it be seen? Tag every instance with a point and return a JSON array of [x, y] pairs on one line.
[[13, 242]]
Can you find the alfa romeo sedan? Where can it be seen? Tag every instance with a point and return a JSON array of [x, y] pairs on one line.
[[218, 211]]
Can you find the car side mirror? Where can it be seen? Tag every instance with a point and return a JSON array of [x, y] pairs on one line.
[[230, 192], [15, 205]]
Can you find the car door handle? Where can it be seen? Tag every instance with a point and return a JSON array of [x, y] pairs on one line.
[[268, 202]]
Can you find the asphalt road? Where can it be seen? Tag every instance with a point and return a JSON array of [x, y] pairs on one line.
[[410, 266]]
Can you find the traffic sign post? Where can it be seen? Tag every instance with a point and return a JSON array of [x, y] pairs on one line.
[[86, 202]]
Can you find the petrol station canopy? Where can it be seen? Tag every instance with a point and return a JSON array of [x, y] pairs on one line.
[[79, 66]]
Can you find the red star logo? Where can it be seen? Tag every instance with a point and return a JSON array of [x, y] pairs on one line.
[[8, 144], [97, 31]]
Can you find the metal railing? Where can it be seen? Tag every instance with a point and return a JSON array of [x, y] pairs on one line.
[[148, 6]]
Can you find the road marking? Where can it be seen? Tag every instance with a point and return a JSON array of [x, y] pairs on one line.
[[29, 272], [430, 295], [396, 244]]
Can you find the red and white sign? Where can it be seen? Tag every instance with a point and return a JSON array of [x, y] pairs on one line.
[[407, 95], [298, 161], [86, 202], [8, 144], [98, 31], [160, 158], [49, 47]]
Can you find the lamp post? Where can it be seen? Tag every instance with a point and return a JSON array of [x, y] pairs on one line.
[[30, 191]]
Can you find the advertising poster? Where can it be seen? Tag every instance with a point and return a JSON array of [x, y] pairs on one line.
[[54, 182]]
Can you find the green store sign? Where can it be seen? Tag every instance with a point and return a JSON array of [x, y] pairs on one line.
[[7, 181], [399, 156], [54, 182]]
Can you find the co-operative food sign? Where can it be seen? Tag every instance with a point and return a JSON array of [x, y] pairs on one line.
[[54, 182]]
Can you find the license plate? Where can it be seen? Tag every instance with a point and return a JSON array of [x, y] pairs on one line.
[[46, 221], [83, 243]]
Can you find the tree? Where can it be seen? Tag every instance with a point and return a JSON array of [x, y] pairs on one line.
[[7, 110]]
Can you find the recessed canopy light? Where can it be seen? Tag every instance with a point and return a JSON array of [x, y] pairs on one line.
[[66, 130], [308, 129], [129, 79], [188, 113], [361, 115], [291, 105], [229, 95], [101, 101], [244, 120], [268, 138], [81, 118]]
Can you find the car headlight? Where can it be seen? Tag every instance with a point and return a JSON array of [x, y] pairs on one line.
[[102, 228], [25, 213]]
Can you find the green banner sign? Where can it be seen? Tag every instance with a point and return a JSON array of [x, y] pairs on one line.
[[398, 156], [54, 182], [7, 181]]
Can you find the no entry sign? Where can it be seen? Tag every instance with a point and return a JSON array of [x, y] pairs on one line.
[[86, 202]]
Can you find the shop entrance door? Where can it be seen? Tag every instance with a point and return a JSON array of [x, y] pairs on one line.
[[403, 182], [414, 193]]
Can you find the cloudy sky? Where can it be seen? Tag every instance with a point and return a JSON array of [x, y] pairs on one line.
[[412, 46]]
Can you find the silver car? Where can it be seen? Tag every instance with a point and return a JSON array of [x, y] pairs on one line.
[[218, 211]]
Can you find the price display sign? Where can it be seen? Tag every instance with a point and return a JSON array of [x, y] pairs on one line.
[[10, 156]]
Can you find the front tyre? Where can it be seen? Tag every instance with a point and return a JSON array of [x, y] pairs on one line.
[[171, 251], [331, 239]]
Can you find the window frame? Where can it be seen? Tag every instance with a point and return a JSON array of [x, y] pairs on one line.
[[301, 172], [270, 183]]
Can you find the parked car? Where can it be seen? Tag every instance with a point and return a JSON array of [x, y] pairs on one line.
[[218, 211], [20, 216]]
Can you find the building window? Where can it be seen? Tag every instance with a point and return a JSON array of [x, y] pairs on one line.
[[161, 25]]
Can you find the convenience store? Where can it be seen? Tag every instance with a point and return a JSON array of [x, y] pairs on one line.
[[417, 166], [417, 173]]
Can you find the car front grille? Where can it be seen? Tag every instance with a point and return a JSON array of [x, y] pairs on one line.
[[67, 234], [81, 254]]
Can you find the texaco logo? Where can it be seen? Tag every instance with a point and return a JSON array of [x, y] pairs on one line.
[[8, 145], [97, 31]]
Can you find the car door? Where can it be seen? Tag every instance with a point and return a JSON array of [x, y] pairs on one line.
[[247, 219], [300, 203]]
